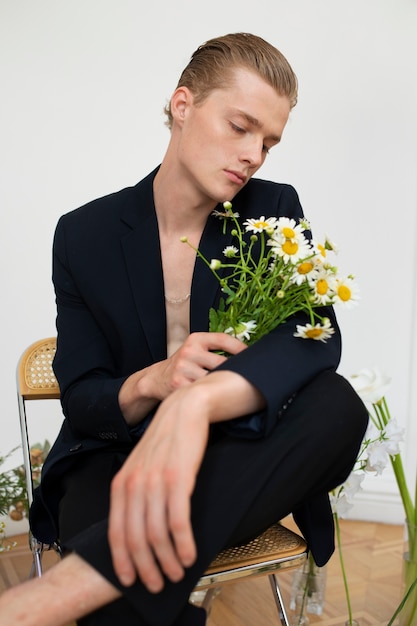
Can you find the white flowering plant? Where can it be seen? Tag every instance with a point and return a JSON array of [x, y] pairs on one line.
[[289, 273], [380, 447]]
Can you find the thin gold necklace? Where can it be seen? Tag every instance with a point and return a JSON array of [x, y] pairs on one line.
[[177, 300]]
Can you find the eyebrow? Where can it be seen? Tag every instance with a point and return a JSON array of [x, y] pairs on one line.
[[255, 122]]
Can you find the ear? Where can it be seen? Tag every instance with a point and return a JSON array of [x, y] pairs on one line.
[[181, 100]]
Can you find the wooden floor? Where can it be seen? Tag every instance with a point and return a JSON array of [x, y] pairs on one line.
[[373, 558]]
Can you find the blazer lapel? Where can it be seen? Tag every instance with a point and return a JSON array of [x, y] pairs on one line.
[[144, 266]]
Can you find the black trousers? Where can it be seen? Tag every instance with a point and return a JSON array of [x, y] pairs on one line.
[[242, 488]]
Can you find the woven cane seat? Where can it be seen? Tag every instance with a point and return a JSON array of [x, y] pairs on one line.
[[274, 549]]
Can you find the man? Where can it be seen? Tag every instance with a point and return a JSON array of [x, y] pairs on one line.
[[169, 450]]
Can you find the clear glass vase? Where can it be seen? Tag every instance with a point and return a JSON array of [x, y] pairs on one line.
[[408, 613], [307, 591]]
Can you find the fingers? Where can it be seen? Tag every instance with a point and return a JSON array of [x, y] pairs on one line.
[[227, 343], [130, 543], [150, 532], [198, 355], [122, 562], [200, 352], [160, 535], [180, 524]]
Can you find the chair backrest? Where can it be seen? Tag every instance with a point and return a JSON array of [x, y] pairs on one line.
[[35, 380], [35, 376]]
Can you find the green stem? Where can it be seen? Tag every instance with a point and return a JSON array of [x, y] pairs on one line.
[[411, 610], [397, 466], [342, 565]]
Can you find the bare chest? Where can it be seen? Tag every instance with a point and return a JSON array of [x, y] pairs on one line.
[[178, 261]]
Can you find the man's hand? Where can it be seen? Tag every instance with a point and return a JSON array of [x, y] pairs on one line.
[[196, 356], [149, 527]]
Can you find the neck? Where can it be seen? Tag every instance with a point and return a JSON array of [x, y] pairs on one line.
[[177, 205]]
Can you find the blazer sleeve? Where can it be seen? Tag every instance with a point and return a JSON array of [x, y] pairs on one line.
[[84, 365]]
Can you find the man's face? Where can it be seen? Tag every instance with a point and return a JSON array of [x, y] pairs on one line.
[[225, 139]]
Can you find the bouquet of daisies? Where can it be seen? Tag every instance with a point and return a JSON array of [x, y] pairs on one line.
[[288, 274]]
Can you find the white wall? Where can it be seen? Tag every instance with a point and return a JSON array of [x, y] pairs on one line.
[[83, 84]]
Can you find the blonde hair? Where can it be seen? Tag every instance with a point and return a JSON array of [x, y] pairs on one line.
[[211, 65]]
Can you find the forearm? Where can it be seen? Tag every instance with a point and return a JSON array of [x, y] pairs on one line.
[[222, 396]]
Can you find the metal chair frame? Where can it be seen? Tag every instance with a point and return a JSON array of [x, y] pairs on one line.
[[276, 549]]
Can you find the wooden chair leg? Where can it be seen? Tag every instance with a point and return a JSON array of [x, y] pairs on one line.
[[278, 600]]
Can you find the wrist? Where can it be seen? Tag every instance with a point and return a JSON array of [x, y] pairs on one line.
[[135, 398], [225, 395]]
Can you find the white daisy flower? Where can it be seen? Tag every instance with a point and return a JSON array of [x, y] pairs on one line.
[[324, 286], [320, 251], [305, 271], [230, 252], [287, 228], [346, 292], [290, 249], [260, 224], [319, 332], [242, 331]]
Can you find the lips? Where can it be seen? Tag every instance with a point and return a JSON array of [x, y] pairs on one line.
[[236, 177]]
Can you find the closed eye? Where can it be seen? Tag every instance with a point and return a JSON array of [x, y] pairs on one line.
[[236, 128], [241, 131]]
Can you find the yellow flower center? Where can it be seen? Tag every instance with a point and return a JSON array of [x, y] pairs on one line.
[[261, 224], [322, 250], [305, 268], [288, 232], [313, 333], [290, 247], [344, 293], [322, 287]]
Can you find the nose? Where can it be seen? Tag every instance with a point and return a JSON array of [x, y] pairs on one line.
[[253, 152]]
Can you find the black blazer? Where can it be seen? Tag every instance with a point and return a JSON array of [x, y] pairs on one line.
[[107, 274]]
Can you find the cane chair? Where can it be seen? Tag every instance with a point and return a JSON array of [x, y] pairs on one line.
[[276, 549]]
